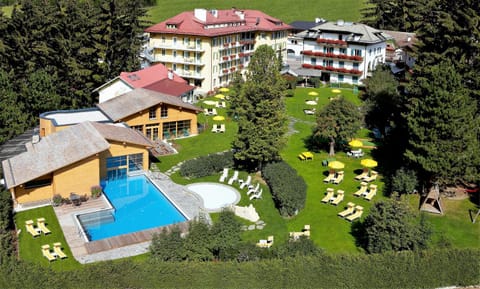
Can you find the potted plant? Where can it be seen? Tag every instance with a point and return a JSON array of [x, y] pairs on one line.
[[96, 191], [57, 200]]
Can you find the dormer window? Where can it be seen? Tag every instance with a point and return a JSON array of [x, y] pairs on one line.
[[171, 26]]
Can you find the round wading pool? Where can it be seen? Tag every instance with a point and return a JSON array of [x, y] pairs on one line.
[[215, 196]]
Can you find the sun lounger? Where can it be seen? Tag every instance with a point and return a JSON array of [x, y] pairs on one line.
[[361, 176], [224, 175], [372, 177], [330, 177], [328, 196], [305, 232], [47, 254], [57, 248], [371, 192], [245, 183], [338, 198], [32, 230], [349, 210], [253, 191], [222, 128], [357, 214], [266, 243], [339, 178], [233, 178], [257, 195], [215, 128], [362, 190], [42, 227]]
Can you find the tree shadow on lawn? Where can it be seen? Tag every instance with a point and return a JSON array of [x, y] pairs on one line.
[[359, 234]]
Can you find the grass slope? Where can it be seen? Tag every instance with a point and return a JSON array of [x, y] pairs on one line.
[[287, 11]]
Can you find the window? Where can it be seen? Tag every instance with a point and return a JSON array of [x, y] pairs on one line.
[[135, 162], [340, 37], [313, 61], [164, 52], [186, 41], [341, 64], [174, 54], [355, 65], [340, 78], [355, 79], [38, 183], [174, 67], [214, 41], [163, 39], [342, 50], [174, 41], [138, 128], [357, 52], [164, 111], [152, 113], [330, 49]]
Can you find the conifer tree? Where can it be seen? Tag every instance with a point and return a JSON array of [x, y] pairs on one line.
[[261, 112]]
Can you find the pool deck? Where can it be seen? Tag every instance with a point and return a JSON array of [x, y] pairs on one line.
[[129, 244]]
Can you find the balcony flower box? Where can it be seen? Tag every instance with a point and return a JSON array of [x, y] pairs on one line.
[[226, 44], [330, 68], [319, 67], [225, 71], [342, 70], [355, 71], [330, 55], [308, 52], [321, 40], [343, 56], [233, 56], [306, 65], [240, 66], [356, 58], [241, 54], [321, 54], [225, 58], [232, 69]]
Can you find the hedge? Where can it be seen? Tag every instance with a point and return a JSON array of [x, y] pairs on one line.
[[289, 190], [425, 269], [206, 165]]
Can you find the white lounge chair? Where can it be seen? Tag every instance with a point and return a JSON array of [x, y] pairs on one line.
[[357, 214], [233, 178], [252, 190], [266, 243], [338, 198], [57, 248], [371, 192], [305, 232], [31, 229], [245, 183], [372, 177], [362, 190], [42, 227], [328, 196], [47, 253], [339, 178], [222, 128], [330, 177], [349, 210], [257, 195], [224, 175], [215, 128]]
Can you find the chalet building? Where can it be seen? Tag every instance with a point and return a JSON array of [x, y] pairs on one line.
[[73, 160], [206, 47], [342, 52], [156, 77]]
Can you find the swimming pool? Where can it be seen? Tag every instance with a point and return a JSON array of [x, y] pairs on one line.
[[138, 205]]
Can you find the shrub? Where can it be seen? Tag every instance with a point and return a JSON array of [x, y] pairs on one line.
[[404, 181], [206, 165], [288, 189], [57, 200], [96, 191]]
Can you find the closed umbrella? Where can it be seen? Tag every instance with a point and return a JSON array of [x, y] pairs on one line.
[[336, 165], [224, 89], [368, 163]]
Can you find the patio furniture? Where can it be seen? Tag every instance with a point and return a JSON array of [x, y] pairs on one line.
[[252, 190], [308, 155], [309, 111], [47, 253], [224, 175], [349, 210], [339, 178], [75, 199], [361, 176], [330, 177], [301, 157], [42, 227], [338, 198], [245, 183], [362, 190], [233, 178], [257, 195], [32, 230], [265, 243], [57, 248], [328, 196], [372, 177], [215, 128], [305, 232], [371, 192], [222, 128], [357, 214]]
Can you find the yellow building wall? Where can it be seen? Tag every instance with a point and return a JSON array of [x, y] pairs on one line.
[[47, 127], [23, 195], [77, 178], [119, 149]]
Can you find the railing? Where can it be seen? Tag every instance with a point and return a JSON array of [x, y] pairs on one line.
[[332, 55], [332, 41], [332, 69]]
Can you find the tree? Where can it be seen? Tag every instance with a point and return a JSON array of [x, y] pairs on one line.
[[226, 235], [404, 181], [337, 121], [198, 241], [13, 119], [389, 15], [392, 226], [443, 127], [168, 245], [261, 112]]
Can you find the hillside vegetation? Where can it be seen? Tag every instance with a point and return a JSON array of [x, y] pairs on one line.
[[286, 10]]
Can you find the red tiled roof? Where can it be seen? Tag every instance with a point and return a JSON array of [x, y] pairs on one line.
[[188, 24], [149, 75], [171, 87]]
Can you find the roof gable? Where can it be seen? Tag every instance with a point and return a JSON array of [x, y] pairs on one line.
[[149, 75]]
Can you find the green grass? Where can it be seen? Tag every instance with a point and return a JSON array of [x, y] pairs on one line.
[[30, 247], [287, 11]]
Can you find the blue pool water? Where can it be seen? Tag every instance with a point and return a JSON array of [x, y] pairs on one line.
[[138, 204]]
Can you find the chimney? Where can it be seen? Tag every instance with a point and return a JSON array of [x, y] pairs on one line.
[[340, 22], [214, 12], [170, 74], [200, 14]]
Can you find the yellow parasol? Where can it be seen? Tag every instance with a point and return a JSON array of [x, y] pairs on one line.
[[220, 96], [224, 89], [336, 165], [355, 143], [313, 93], [218, 118], [368, 163], [336, 90]]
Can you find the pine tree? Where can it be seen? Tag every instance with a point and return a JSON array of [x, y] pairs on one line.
[[443, 126], [261, 112]]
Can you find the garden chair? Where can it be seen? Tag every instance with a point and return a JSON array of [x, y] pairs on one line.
[[47, 254], [265, 243], [361, 176], [328, 196], [42, 227], [215, 128], [372, 177], [339, 178], [349, 210], [330, 177], [257, 195], [357, 214], [252, 190], [233, 178], [338, 198], [305, 232], [224, 175], [221, 129], [245, 183], [32, 230], [57, 248], [362, 190], [371, 192]]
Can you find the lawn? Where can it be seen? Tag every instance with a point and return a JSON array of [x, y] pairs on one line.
[[328, 231], [287, 11]]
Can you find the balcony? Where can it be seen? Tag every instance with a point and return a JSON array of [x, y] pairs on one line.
[[189, 74], [194, 48], [332, 42], [178, 59], [353, 58], [329, 68]]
